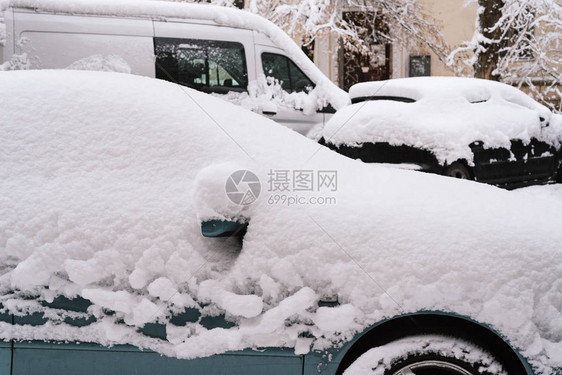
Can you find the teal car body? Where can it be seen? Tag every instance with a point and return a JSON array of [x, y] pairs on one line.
[[66, 358]]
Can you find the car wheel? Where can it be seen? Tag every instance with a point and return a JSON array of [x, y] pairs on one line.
[[458, 170], [427, 355]]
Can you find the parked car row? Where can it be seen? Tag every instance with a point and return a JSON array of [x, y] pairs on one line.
[[465, 128]]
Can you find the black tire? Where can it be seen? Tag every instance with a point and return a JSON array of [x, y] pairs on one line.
[[458, 170], [559, 174], [427, 355]]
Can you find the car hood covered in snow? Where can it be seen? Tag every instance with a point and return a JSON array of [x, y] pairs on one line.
[[106, 177], [443, 115]]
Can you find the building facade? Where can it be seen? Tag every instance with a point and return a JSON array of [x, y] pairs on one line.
[[345, 68]]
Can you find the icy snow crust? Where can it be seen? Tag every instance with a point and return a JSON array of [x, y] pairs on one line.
[[105, 177], [449, 114], [325, 90]]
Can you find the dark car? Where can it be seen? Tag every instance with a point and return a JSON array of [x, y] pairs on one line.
[[460, 127]]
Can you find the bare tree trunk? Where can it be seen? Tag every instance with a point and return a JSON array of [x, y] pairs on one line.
[[488, 59]]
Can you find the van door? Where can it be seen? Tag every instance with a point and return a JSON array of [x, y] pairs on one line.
[[57, 41], [272, 62]]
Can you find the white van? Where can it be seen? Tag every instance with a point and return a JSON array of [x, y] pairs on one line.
[[217, 50]]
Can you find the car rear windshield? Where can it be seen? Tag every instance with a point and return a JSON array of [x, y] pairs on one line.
[[383, 97]]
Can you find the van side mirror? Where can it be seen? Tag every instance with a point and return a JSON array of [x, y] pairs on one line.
[[268, 109]]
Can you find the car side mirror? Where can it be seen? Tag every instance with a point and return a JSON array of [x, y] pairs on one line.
[[223, 228]]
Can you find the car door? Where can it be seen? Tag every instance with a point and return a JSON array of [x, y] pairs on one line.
[[542, 161], [494, 165], [521, 163], [274, 63]]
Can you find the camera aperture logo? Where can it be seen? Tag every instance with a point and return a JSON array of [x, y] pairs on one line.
[[243, 187]]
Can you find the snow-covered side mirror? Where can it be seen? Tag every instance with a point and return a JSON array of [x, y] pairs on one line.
[[225, 195]]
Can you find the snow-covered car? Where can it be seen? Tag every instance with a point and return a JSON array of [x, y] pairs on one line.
[[462, 127], [108, 180]]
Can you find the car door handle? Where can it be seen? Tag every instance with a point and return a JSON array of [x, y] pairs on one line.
[[269, 113]]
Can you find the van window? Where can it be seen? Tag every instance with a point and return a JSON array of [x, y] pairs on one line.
[[205, 65], [280, 67]]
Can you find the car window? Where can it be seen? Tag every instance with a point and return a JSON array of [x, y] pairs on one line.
[[280, 67], [205, 65]]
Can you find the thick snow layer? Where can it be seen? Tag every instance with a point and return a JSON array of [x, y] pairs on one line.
[[16, 62], [266, 92], [104, 181], [472, 89], [220, 15], [448, 114], [550, 192]]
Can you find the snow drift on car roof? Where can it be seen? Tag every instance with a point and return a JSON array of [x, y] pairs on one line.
[[474, 90]]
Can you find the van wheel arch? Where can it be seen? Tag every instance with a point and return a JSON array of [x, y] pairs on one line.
[[437, 323]]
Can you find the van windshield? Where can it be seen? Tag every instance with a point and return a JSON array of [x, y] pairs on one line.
[[205, 65]]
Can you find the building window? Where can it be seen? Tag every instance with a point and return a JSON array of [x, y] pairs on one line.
[[420, 66]]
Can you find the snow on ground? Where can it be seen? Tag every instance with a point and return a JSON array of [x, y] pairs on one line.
[[104, 181], [448, 114]]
